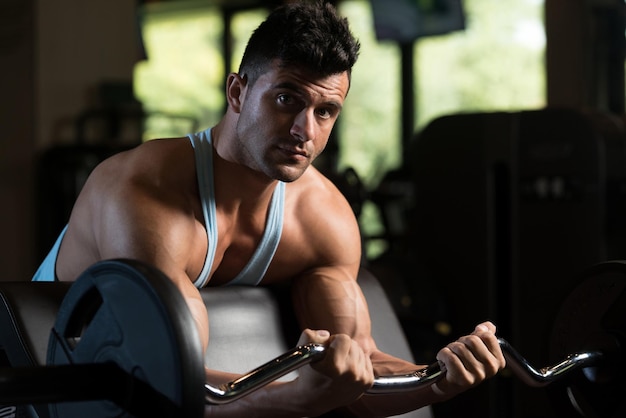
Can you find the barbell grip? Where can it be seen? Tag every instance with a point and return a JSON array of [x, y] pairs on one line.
[[305, 354], [515, 362], [261, 376]]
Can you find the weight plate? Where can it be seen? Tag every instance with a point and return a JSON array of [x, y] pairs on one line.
[[593, 318], [130, 314]]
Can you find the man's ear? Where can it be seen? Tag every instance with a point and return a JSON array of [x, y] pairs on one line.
[[235, 91]]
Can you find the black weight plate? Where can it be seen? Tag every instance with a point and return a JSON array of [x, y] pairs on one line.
[[593, 318], [130, 314]]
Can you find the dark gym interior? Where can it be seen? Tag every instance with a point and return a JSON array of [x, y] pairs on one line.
[[507, 213]]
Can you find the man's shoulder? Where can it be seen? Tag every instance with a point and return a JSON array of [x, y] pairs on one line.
[[315, 198], [313, 184], [163, 149], [160, 169], [153, 159], [317, 190]]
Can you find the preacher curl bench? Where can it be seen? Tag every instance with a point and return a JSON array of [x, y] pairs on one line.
[[119, 342], [249, 326]]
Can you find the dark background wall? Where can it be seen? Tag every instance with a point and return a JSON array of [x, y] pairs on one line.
[[53, 55]]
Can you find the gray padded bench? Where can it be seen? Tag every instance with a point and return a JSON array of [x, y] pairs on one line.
[[249, 326]]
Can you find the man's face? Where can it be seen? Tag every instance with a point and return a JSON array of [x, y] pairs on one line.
[[286, 118]]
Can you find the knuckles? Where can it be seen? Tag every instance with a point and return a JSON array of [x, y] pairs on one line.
[[472, 359], [345, 361]]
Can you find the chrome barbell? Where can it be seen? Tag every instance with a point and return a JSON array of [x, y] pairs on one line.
[[305, 354]]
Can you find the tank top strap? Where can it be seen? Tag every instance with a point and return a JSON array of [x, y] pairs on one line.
[[255, 270], [203, 150], [257, 266]]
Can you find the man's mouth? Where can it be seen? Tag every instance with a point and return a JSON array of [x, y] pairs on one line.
[[295, 152]]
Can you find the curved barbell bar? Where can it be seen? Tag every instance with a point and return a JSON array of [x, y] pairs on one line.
[[305, 354]]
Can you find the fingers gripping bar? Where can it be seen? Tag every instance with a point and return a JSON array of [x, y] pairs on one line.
[[306, 354]]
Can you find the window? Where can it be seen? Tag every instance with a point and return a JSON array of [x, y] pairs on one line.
[[181, 81], [495, 63]]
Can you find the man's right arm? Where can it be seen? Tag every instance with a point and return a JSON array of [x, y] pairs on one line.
[[146, 232], [124, 213], [317, 389]]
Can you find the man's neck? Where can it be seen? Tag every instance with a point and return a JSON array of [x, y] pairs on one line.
[[237, 186]]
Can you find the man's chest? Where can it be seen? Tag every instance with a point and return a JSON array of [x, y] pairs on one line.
[[242, 252]]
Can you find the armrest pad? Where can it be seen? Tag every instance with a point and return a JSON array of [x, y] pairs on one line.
[[27, 314]]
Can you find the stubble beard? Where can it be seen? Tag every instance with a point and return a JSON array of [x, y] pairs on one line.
[[259, 161]]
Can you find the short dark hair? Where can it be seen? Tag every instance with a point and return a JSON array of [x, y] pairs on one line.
[[305, 34]]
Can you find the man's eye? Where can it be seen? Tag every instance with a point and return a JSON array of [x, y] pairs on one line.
[[324, 113], [285, 99]]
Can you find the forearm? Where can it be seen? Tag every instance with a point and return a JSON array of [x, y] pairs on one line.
[[468, 362], [320, 387], [376, 405], [282, 400], [199, 315], [382, 405], [276, 400]]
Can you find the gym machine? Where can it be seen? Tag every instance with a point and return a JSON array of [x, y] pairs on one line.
[[123, 344]]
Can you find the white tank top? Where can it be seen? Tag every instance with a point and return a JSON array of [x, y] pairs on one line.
[[253, 272]]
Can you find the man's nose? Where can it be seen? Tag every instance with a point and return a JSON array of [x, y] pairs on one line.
[[303, 127]]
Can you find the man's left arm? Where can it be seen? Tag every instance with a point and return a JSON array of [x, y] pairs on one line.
[[328, 297], [326, 300]]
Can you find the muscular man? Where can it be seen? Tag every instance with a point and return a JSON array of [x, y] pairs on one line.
[[241, 202]]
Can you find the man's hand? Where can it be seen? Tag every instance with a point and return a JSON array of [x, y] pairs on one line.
[[340, 377], [469, 360]]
